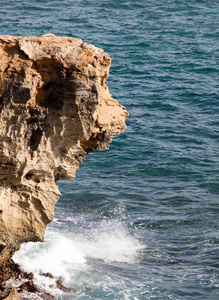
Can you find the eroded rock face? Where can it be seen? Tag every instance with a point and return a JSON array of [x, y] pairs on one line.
[[55, 108]]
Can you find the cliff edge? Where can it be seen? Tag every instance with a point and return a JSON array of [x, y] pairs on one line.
[[55, 108]]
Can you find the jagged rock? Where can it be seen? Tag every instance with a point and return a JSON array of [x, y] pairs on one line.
[[55, 108], [28, 286]]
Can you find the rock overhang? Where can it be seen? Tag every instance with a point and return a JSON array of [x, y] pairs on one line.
[[55, 107]]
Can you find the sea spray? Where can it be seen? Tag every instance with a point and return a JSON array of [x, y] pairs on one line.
[[79, 257]]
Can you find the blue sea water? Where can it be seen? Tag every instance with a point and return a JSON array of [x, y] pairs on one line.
[[140, 221]]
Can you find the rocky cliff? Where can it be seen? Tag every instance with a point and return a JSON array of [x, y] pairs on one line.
[[55, 108]]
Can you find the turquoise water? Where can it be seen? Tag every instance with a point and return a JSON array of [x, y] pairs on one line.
[[140, 221]]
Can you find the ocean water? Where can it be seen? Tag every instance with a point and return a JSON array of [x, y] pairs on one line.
[[141, 220]]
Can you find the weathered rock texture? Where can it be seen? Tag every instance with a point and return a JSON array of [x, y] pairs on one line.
[[55, 108]]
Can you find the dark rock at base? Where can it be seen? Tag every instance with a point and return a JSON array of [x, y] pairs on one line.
[[28, 286], [60, 285], [11, 270], [47, 275]]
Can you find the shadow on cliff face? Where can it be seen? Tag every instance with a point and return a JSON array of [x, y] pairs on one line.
[[50, 94]]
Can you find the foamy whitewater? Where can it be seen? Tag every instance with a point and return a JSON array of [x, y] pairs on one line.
[[76, 252], [139, 221]]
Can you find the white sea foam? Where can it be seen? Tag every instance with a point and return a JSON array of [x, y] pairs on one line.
[[67, 255], [58, 256]]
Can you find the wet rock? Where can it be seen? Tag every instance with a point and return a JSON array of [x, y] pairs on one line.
[[28, 286]]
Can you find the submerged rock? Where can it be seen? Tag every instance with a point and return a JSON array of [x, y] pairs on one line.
[[55, 108]]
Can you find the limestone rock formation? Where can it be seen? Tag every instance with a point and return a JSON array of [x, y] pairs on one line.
[[55, 108]]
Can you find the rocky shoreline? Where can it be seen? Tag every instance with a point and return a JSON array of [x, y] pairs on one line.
[[15, 283], [23, 283]]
